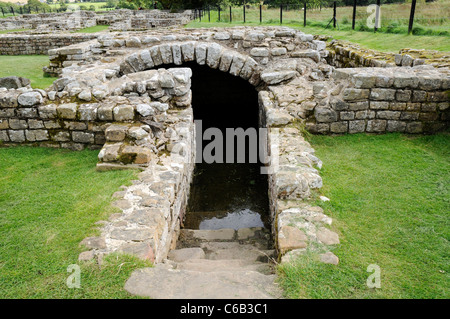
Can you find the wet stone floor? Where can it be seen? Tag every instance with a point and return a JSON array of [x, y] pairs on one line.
[[228, 196]]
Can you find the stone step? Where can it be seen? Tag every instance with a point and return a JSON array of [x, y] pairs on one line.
[[193, 237], [242, 252], [163, 282], [209, 265], [210, 247]]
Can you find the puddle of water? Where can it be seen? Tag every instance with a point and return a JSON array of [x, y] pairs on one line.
[[228, 196], [241, 219]]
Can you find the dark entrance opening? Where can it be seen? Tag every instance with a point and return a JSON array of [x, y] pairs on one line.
[[226, 195]]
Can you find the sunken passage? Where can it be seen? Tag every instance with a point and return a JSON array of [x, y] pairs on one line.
[[228, 188]]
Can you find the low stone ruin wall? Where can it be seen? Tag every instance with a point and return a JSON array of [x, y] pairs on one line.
[[39, 44], [47, 22], [349, 55], [154, 133], [379, 100], [118, 20]]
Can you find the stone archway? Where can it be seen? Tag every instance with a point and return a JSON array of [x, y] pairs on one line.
[[211, 54]]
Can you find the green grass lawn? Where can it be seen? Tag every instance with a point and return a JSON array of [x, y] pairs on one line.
[[28, 66], [13, 30], [49, 201], [94, 29], [390, 202], [385, 42]]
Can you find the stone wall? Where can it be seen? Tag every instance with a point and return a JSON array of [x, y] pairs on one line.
[[47, 22], [142, 116], [38, 44], [137, 130], [379, 100], [119, 20], [58, 118], [349, 55]]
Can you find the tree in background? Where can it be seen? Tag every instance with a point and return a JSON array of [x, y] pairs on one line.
[[36, 4]]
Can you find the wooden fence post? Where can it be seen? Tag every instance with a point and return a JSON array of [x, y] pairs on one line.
[[354, 15], [260, 13], [304, 14], [377, 15], [281, 14], [334, 14], [411, 16]]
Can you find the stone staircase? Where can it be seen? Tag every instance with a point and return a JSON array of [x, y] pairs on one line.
[[212, 264]]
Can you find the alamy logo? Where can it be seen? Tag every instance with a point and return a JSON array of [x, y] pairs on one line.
[[74, 19], [74, 280], [374, 280], [237, 145], [374, 18]]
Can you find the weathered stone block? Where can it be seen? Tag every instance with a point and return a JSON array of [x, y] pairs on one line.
[[36, 135], [323, 114], [388, 115], [403, 95], [105, 112], [290, 238], [376, 126], [397, 106], [428, 83], [276, 77], [237, 64], [176, 54], [17, 136], [62, 136], [429, 116], [4, 124], [345, 116], [364, 81], [200, 53], [414, 127], [109, 152], [395, 126], [327, 236], [67, 111], [116, 133], [339, 127], [428, 107], [382, 94], [278, 51], [135, 154], [351, 94], [47, 111], [259, 52], [17, 124], [405, 81], [363, 115], [88, 112], [213, 55], [188, 51], [4, 136], [320, 128], [33, 124], [226, 60], [82, 137], [27, 112], [166, 53], [356, 106], [30, 99], [123, 113]]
